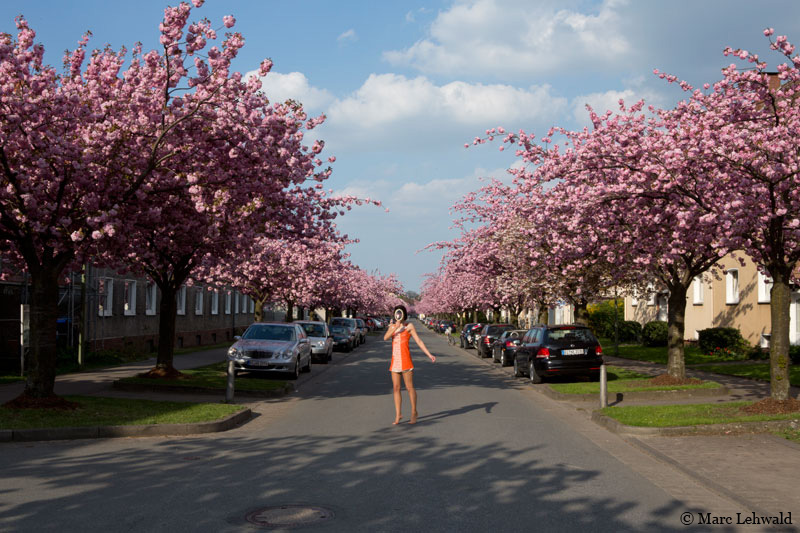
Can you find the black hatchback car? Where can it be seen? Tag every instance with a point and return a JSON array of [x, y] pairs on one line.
[[558, 351], [487, 336], [505, 347]]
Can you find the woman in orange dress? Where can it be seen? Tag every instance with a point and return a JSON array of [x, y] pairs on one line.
[[400, 332]]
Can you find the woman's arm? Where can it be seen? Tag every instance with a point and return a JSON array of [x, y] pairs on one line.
[[391, 330], [419, 342]]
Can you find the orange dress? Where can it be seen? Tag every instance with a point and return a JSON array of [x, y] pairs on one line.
[[401, 357]]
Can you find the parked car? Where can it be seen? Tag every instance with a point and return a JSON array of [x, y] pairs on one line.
[[468, 333], [506, 345], [558, 351], [320, 338], [343, 338], [272, 347], [364, 329], [488, 334], [349, 323], [443, 325]]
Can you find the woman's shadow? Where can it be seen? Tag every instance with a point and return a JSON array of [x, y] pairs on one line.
[[460, 411]]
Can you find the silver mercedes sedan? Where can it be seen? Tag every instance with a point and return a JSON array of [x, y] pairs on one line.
[[272, 347]]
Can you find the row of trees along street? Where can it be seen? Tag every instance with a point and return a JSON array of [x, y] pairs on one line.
[[173, 165], [643, 196]]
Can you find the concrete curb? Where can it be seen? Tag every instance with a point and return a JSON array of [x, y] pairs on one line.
[[138, 387], [638, 395], [708, 429], [106, 432]]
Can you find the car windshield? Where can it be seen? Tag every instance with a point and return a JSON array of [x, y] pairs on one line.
[[570, 336], [269, 332], [341, 330], [342, 321], [494, 330], [314, 330]]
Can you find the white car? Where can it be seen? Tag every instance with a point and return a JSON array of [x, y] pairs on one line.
[[320, 338]]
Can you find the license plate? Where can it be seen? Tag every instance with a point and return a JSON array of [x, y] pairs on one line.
[[577, 351], [258, 362]]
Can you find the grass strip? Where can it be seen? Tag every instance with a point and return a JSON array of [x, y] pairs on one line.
[[622, 380], [790, 434], [759, 371], [213, 376], [658, 354], [97, 411], [10, 379], [687, 414]]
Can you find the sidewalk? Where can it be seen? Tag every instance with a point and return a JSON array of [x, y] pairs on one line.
[[758, 471], [99, 382]]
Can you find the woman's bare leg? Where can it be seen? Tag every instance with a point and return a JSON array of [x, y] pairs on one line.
[[408, 378], [398, 398]]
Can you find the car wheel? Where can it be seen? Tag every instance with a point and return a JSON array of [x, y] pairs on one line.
[[349, 347], [296, 372], [307, 368], [535, 377], [460, 343], [503, 361], [517, 370]]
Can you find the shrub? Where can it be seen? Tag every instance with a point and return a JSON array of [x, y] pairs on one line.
[[719, 340], [655, 333], [601, 318], [794, 354], [629, 331]]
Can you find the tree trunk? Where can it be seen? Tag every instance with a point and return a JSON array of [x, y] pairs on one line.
[[543, 314], [780, 300], [676, 327], [581, 313], [166, 331], [289, 311], [258, 316], [43, 320]]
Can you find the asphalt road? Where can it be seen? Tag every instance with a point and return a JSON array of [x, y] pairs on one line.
[[487, 454]]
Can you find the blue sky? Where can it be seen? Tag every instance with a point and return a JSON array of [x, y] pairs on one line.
[[406, 84]]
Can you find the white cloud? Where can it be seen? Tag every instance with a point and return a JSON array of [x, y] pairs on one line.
[[348, 36], [294, 85], [516, 37], [418, 104]]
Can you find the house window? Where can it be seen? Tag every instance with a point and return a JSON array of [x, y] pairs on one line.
[[181, 300], [227, 302], [235, 302], [244, 303], [129, 297], [150, 299], [697, 289], [764, 288], [105, 296], [252, 306], [732, 286], [198, 301], [634, 301], [215, 302]]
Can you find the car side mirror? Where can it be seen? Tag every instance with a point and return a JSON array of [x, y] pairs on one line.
[[237, 337]]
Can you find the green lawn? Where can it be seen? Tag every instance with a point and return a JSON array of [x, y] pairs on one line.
[[658, 354], [621, 380], [10, 379], [686, 415], [753, 371], [96, 411], [214, 377]]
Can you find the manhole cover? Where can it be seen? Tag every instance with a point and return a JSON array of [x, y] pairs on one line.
[[289, 516]]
